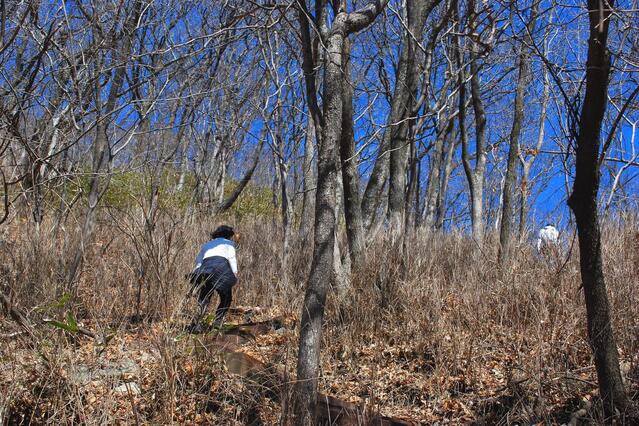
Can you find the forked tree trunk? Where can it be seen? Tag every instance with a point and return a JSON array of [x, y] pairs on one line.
[[474, 175], [322, 266], [308, 361], [508, 194], [583, 203], [102, 159], [403, 102], [477, 193], [102, 152]]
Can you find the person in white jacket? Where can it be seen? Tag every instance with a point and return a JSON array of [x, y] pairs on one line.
[[547, 239], [215, 270]]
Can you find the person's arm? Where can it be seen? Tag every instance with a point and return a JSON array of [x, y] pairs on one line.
[[232, 259], [199, 259]]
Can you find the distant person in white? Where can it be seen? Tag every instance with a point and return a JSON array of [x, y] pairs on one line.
[[215, 270], [548, 237]]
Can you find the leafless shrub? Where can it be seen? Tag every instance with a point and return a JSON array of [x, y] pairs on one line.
[[417, 331]]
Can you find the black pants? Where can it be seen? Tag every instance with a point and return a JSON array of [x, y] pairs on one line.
[[204, 299], [215, 275]]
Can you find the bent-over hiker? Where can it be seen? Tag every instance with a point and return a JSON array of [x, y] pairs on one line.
[[215, 269]]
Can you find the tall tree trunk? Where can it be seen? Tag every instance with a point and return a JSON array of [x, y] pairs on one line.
[[323, 250], [306, 222], [308, 361], [448, 169], [350, 174], [583, 203], [474, 175], [508, 194], [403, 102], [480, 165], [434, 174], [526, 164]]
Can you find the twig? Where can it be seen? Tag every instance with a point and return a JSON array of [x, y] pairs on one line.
[[15, 313]]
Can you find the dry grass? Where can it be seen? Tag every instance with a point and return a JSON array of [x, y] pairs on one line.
[[439, 334]]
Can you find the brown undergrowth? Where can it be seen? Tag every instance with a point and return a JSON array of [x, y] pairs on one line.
[[430, 331]]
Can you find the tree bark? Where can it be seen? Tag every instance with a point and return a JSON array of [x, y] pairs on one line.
[[474, 175], [308, 361], [227, 203], [403, 102], [477, 194], [508, 194], [583, 203], [350, 174], [306, 222]]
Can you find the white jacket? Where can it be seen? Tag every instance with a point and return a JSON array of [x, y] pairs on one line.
[[218, 247]]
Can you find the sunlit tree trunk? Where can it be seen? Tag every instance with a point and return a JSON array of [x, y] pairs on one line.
[[306, 222], [508, 194], [308, 361], [402, 107], [474, 175], [350, 174], [583, 203]]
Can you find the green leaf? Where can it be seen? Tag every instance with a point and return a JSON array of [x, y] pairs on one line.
[[64, 299], [72, 323], [61, 325], [58, 304]]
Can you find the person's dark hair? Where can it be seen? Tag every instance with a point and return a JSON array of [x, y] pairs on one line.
[[223, 231]]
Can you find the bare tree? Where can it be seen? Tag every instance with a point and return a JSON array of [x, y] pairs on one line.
[[344, 24], [348, 157], [527, 156], [402, 108], [474, 174], [508, 193], [583, 203], [121, 43]]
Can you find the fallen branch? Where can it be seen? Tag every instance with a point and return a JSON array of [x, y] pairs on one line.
[[15, 313], [20, 317]]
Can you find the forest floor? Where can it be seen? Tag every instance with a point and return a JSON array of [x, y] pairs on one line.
[[438, 336], [124, 380]]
